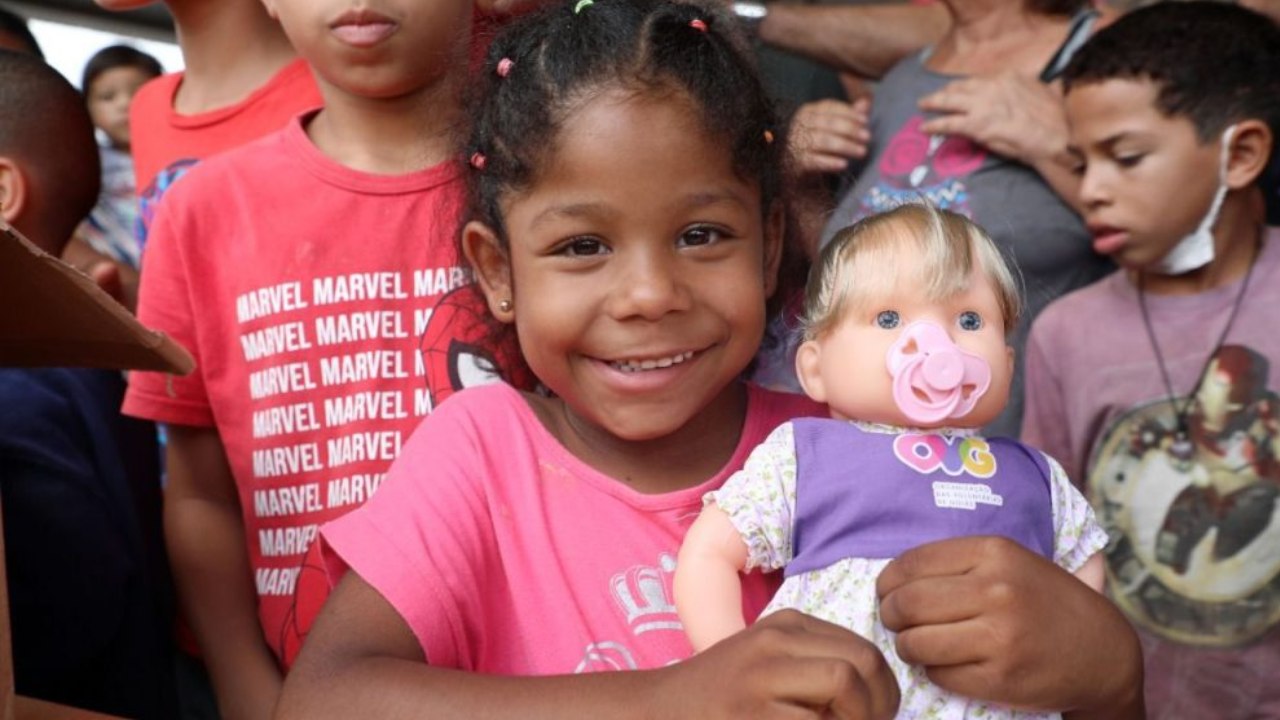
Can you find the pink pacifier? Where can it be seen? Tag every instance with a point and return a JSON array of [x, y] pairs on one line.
[[933, 380]]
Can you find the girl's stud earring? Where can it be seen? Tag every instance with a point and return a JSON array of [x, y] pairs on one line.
[[504, 67], [505, 305]]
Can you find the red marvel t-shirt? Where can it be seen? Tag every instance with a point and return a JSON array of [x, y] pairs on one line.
[[327, 312]]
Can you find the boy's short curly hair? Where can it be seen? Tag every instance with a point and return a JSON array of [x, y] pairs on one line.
[[1213, 63]]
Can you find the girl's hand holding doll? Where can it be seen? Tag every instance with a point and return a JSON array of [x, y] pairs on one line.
[[787, 665], [989, 619]]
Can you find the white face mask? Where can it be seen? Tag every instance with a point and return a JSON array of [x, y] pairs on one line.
[[1196, 250]]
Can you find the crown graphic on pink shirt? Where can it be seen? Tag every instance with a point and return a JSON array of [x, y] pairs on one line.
[[643, 592]]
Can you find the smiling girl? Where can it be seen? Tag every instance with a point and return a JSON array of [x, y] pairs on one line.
[[627, 224]]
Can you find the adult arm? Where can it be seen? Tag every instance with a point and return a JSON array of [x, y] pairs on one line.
[[362, 660], [825, 136], [865, 40], [992, 620], [204, 532]]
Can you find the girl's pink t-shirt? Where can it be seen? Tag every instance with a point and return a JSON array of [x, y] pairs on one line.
[[504, 553]]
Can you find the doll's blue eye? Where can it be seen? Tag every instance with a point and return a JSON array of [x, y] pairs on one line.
[[888, 319], [969, 320]]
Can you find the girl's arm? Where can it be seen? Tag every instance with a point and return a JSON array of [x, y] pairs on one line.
[[362, 660], [708, 588], [993, 620]]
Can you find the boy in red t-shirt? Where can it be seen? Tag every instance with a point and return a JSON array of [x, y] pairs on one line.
[[301, 271]]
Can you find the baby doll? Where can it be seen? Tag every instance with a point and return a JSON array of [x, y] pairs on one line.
[[904, 339]]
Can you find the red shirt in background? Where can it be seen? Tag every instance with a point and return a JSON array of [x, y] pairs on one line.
[[166, 143]]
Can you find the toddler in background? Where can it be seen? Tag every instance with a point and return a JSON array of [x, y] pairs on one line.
[[111, 77], [1154, 386], [628, 225]]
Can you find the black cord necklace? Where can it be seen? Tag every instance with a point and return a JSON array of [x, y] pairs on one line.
[[1182, 447]]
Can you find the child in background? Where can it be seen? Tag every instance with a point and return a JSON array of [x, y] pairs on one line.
[[242, 80], [111, 77], [89, 594], [1153, 385], [905, 338], [628, 223], [301, 270]]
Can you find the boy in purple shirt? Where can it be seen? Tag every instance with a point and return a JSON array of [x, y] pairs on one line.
[[1153, 386]]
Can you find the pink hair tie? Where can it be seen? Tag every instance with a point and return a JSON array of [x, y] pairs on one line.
[[477, 160], [698, 24], [504, 67]]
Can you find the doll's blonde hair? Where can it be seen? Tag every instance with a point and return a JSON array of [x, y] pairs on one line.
[[935, 250]]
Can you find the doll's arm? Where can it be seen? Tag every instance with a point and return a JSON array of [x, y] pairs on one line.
[[708, 589], [1078, 539], [760, 498], [1093, 573]]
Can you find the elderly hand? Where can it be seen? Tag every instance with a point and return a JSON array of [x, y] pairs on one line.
[[827, 134], [1011, 114]]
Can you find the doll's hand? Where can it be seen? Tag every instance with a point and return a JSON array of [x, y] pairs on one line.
[[992, 620], [787, 665]]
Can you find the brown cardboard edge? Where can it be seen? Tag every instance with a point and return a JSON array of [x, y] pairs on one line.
[[121, 341]]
